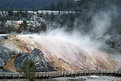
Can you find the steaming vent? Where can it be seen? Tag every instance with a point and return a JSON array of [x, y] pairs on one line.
[[64, 52]]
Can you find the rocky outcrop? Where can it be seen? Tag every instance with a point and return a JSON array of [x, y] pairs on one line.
[[119, 69], [10, 66], [37, 57], [5, 53], [2, 62], [12, 61], [113, 42]]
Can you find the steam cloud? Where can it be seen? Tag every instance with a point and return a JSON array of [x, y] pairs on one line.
[[75, 48], [101, 22], [69, 46]]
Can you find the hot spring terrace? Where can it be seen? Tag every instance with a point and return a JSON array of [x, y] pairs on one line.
[[46, 75]]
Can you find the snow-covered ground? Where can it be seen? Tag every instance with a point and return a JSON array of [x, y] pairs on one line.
[[80, 78], [90, 78]]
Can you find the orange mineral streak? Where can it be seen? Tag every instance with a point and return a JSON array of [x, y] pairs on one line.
[[10, 67], [65, 55]]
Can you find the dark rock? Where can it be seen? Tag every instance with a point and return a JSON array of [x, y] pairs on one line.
[[1, 70], [113, 43], [37, 57], [19, 61], [2, 63], [39, 60], [119, 69], [5, 53], [116, 42], [4, 37]]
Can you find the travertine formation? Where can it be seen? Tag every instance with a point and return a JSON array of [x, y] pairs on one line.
[[62, 55]]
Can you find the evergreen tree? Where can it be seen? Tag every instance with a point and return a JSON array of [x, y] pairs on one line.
[[29, 69]]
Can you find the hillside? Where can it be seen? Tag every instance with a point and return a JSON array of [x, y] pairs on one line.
[[63, 54], [68, 35]]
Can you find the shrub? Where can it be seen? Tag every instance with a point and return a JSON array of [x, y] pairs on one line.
[[29, 69]]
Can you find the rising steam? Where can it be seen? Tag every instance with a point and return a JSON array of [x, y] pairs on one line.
[[101, 21], [68, 51], [71, 50]]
